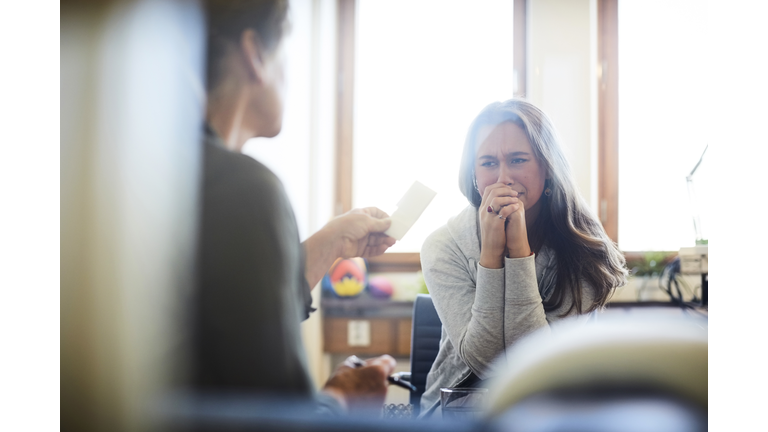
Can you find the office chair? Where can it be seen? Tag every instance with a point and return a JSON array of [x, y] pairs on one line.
[[425, 343]]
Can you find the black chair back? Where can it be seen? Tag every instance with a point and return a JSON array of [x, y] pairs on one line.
[[425, 343]]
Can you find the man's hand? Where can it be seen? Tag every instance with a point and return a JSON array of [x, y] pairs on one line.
[[360, 233], [357, 233], [362, 389]]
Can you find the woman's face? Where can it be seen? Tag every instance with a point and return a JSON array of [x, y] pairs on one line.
[[505, 156]]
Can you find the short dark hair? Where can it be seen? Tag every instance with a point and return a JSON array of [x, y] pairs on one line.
[[228, 19]]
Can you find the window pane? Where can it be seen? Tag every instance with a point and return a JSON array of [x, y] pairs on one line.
[[665, 112], [424, 69]]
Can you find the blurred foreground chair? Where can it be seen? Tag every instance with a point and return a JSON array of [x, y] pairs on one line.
[[644, 372], [275, 413], [639, 373]]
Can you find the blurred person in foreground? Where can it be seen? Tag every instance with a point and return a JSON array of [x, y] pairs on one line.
[[526, 252], [254, 274]]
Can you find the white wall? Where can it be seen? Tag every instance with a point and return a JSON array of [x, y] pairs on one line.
[[562, 58]]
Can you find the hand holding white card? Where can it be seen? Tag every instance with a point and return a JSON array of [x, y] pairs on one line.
[[409, 209]]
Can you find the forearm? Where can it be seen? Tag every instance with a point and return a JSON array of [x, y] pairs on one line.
[[523, 307], [483, 339], [321, 250], [506, 306], [471, 307], [469, 298]]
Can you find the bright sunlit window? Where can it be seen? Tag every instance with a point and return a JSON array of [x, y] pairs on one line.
[[424, 70], [665, 115]]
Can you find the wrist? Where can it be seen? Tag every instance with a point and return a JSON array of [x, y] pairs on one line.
[[518, 251], [338, 395], [329, 238], [492, 261]]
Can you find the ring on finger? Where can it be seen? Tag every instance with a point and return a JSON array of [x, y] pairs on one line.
[[490, 209], [502, 217]]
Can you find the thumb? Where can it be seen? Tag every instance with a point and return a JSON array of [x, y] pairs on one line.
[[378, 225], [385, 362]]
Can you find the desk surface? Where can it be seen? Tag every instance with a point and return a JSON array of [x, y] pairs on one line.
[[366, 306]]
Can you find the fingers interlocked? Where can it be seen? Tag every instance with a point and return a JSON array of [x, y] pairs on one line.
[[491, 210], [501, 200]]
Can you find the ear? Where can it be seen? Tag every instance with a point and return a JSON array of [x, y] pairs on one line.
[[253, 55]]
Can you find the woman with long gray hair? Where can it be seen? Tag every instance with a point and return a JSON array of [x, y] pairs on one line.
[[526, 252]]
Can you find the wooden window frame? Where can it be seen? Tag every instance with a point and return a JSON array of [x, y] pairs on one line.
[[345, 99], [520, 47], [608, 116]]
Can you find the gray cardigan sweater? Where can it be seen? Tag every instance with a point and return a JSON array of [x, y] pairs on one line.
[[483, 311]]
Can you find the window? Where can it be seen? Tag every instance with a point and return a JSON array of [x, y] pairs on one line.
[[665, 112], [652, 92], [423, 71]]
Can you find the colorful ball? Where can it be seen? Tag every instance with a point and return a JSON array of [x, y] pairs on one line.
[[380, 287], [347, 278]]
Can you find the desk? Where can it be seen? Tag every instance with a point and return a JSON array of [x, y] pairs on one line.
[[662, 308], [388, 323]]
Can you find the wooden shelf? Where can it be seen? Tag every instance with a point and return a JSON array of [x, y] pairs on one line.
[[387, 336], [388, 325], [366, 307]]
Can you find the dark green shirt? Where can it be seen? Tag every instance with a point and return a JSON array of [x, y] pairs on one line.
[[251, 294]]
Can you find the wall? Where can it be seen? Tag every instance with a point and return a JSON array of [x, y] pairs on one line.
[[562, 57]]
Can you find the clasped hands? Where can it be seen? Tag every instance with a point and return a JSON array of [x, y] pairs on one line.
[[502, 229]]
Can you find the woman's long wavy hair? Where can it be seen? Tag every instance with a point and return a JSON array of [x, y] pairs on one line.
[[565, 223]]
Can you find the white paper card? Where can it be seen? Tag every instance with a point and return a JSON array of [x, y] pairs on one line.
[[409, 209], [358, 333]]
